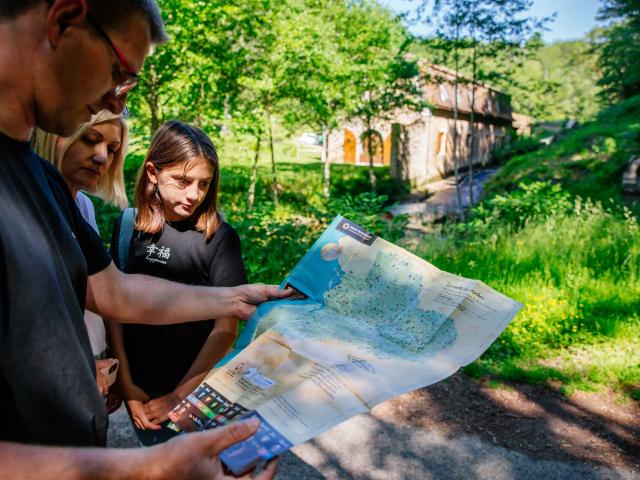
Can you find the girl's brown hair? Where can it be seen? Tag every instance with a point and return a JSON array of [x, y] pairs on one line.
[[177, 143]]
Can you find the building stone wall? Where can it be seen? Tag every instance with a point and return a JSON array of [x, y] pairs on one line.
[[418, 146]]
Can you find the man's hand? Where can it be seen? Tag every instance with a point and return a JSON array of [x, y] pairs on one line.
[[247, 297], [194, 456]]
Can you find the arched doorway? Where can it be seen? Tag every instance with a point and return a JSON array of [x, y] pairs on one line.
[[349, 147], [386, 151], [376, 147]]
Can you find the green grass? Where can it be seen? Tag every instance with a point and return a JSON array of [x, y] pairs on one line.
[[575, 266]]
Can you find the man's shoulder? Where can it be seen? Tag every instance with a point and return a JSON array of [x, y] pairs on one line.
[[50, 171]]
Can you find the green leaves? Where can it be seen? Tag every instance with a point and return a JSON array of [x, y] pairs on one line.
[[619, 49]]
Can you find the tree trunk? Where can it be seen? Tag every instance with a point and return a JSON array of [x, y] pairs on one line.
[[455, 127], [152, 100], [254, 176], [274, 177], [472, 124], [372, 173], [326, 172]]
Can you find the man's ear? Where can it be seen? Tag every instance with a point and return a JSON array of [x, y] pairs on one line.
[[63, 14], [152, 175]]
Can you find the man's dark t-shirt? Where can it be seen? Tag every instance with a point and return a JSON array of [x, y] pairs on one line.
[[160, 355], [48, 393]]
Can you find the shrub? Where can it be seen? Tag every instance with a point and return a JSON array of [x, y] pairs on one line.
[[519, 146]]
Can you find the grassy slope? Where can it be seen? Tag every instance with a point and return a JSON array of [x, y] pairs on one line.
[[588, 160], [573, 262]]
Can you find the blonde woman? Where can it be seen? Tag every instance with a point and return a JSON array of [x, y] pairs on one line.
[[91, 160]]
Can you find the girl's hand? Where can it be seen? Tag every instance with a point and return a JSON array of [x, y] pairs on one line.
[[158, 409], [139, 416], [135, 399]]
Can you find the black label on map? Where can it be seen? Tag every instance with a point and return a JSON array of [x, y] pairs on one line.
[[297, 294], [203, 409], [356, 232]]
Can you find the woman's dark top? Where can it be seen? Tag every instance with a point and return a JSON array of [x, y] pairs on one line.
[[160, 355]]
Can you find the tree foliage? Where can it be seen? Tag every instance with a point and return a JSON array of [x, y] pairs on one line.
[[558, 82], [247, 68], [619, 49], [552, 82]]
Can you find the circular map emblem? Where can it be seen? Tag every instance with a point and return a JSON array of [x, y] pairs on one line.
[[330, 251]]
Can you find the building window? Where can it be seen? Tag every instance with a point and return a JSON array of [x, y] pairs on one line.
[[470, 98], [444, 94], [489, 105]]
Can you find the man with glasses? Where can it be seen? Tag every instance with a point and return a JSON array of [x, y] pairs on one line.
[[62, 61], [127, 77]]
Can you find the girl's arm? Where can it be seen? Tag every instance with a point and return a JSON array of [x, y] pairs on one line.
[[215, 347], [226, 269]]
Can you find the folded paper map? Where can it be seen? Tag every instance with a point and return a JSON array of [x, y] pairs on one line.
[[369, 321]]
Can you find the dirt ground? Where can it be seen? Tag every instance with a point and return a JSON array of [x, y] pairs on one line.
[[598, 428]]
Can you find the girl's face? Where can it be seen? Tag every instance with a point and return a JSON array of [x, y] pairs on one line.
[[182, 190], [89, 157]]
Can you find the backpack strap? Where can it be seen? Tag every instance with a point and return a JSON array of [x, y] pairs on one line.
[[124, 239]]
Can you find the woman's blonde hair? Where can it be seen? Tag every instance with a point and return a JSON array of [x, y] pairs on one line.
[[110, 187]]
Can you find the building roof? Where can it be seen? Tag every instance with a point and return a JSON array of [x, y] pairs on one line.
[[439, 90]]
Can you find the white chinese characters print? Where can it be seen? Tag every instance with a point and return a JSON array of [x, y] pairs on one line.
[[158, 254]]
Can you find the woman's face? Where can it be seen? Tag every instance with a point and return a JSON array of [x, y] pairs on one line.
[[182, 190], [89, 157]]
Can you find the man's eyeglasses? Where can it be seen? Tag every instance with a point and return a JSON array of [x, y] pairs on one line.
[[132, 77]]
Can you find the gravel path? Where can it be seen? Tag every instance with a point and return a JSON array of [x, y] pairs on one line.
[[443, 199], [368, 447]]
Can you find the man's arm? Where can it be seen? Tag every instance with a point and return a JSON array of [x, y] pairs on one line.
[[191, 456], [143, 299]]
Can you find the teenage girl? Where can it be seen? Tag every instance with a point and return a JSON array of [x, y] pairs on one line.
[[179, 235]]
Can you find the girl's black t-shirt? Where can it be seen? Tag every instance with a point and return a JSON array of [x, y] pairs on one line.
[[160, 355]]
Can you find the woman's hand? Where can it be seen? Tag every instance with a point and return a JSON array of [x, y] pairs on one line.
[[102, 376], [158, 409]]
